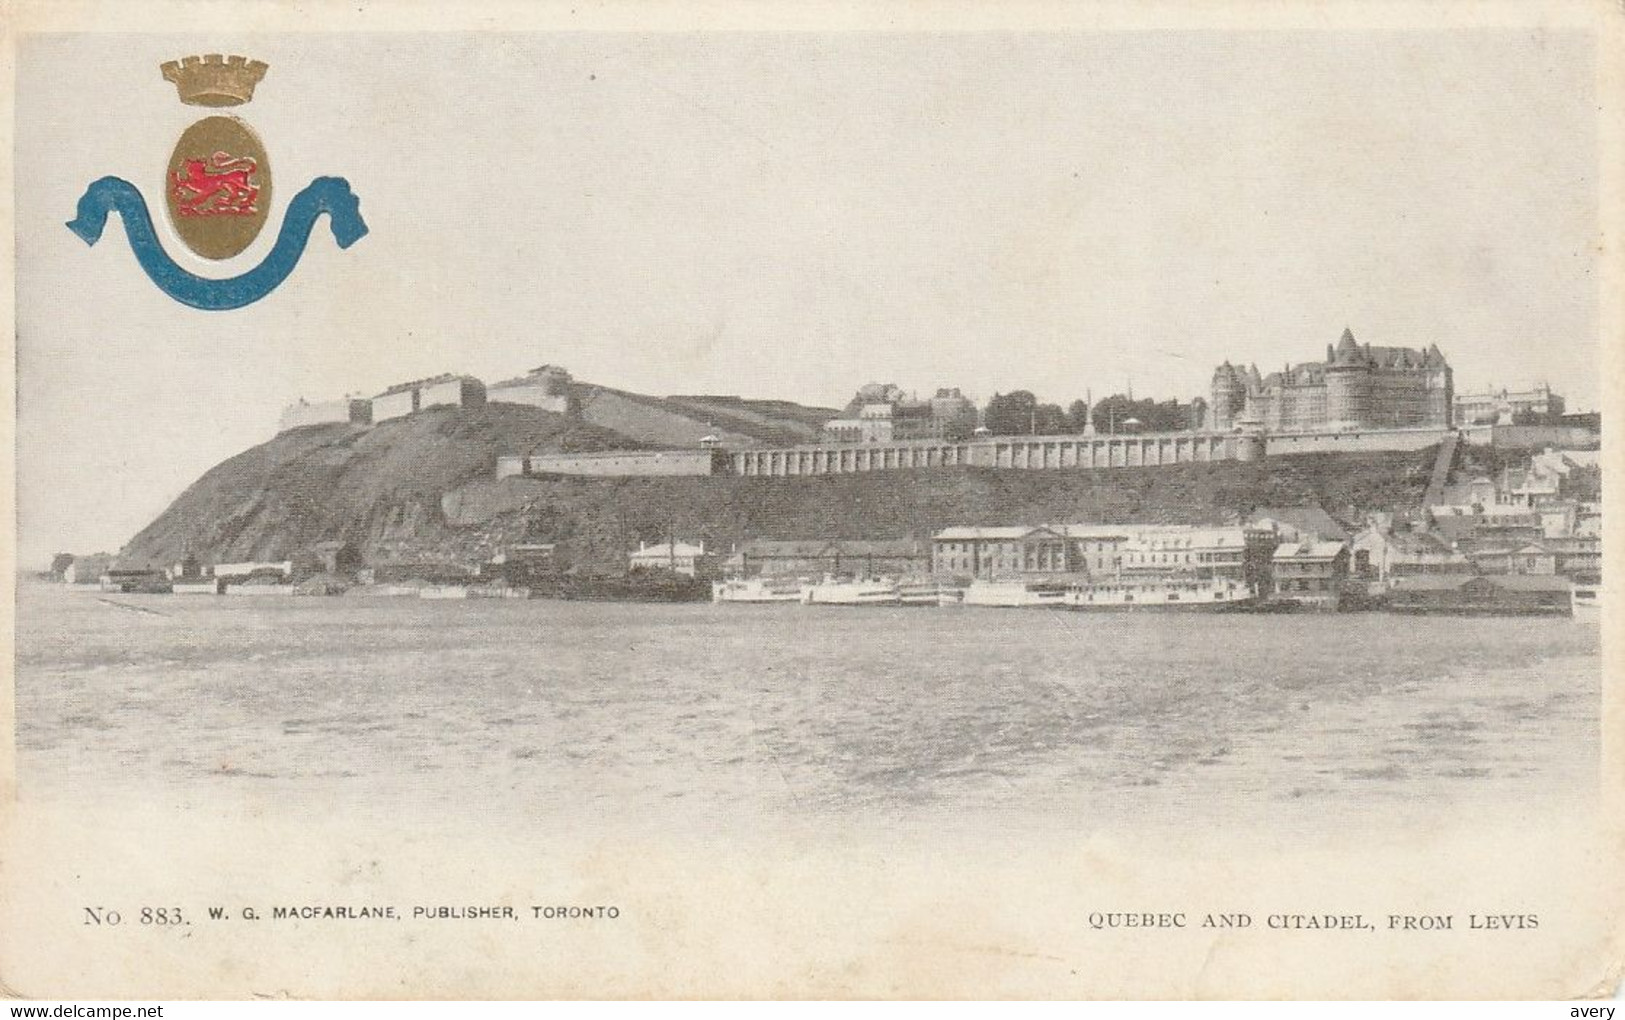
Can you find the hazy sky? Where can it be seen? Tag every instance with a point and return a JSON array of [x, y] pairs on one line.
[[793, 215]]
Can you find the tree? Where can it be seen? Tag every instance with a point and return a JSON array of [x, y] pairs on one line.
[[1077, 416], [1114, 411], [1049, 420], [962, 425], [1011, 414]]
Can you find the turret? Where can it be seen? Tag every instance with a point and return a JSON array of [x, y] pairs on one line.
[[1348, 385], [1347, 352], [1229, 396]]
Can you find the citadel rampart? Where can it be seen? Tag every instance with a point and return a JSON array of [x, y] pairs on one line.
[[1022, 452], [1026, 453], [631, 464]]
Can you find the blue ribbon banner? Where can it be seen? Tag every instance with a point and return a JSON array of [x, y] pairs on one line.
[[331, 195]]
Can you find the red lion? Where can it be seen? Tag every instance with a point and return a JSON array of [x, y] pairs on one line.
[[216, 186]]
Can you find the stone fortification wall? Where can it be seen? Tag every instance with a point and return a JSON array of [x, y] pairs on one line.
[[1360, 441], [625, 464], [325, 412], [1009, 452], [1021, 452], [532, 394]]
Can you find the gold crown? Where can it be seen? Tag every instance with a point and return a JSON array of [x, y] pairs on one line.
[[214, 80]]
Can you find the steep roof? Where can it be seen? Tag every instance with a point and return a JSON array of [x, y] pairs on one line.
[[1420, 542], [878, 547], [799, 549], [1011, 532], [1093, 530], [665, 549], [1309, 551], [1189, 538], [1305, 519], [820, 548]]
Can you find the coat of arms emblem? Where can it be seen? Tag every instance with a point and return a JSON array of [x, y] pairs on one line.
[[218, 187], [217, 190]]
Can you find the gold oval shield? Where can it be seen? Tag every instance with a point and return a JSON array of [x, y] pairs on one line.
[[218, 188]]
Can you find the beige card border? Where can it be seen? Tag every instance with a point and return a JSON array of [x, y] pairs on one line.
[[930, 920]]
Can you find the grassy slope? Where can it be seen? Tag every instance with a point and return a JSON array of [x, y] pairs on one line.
[[598, 517]]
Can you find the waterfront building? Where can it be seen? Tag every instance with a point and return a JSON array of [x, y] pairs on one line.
[[250, 568], [815, 558], [1380, 554], [1095, 550], [547, 387], [1358, 386], [1461, 524], [1204, 552], [1577, 557], [446, 390], [885, 557], [677, 557], [87, 569], [1501, 406], [1240, 553], [1102, 551], [999, 551], [1531, 558], [780, 558], [146, 580], [1311, 571], [1509, 594], [1296, 523]]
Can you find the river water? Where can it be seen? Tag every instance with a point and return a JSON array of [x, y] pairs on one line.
[[720, 716]]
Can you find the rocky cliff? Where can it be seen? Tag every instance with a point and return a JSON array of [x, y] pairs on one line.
[[422, 489], [378, 488]]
